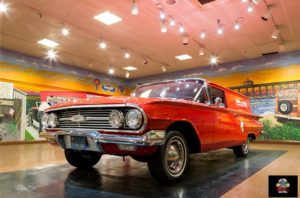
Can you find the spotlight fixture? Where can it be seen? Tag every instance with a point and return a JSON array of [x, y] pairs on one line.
[[220, 29], [170, 2], [185, 39], [102, 44], [145, 61], [65, 31], [181, 28], [3, 7], [134, 8], [275, 33], [213, 60], [244, 1], [172, 21], [162, 14], [111, 71], [164, 68], [237, 24], [250, 7], [256, 1], [202, 34], [127, 74], [127, 55], [267, 15], [51, 54], [163, 27], [201, 51]]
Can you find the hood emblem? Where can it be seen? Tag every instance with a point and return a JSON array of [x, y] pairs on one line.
[[77, 118]]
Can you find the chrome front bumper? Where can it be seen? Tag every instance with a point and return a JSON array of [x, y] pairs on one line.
[[94, 138]]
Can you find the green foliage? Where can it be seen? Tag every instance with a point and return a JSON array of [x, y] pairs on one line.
[[287, 131], [28, 136]]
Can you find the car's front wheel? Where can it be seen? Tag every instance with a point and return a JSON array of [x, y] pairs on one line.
[[170, 161], [242, 150], [82, 159]]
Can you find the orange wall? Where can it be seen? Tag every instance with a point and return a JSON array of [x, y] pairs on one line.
[[29, 79]]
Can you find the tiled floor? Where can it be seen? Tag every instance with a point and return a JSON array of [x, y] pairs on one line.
[[42, 156]]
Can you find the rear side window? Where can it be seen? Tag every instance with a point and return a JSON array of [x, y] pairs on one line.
[[214, 93]]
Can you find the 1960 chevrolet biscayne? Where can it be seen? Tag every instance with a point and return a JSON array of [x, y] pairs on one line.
[[161, 123]]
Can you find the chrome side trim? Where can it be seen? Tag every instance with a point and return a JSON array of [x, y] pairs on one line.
[[85, 106]]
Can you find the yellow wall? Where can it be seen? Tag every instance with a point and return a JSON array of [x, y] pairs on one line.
[[29, 79], [280, 74]]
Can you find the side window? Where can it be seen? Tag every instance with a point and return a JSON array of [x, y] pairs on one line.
[[216, 94], [203, 98]]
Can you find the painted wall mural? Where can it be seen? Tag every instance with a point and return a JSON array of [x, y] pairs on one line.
[[28, 85]]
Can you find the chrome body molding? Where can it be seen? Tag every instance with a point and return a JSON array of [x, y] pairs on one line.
[[94, 138]]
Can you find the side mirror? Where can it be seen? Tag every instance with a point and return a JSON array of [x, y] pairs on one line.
[[218, 102]]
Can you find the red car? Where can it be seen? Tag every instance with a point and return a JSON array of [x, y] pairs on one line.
[[161, 123]]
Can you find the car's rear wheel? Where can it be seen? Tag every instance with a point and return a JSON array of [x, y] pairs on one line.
[[242, 150], [170, 161], [82, 159]]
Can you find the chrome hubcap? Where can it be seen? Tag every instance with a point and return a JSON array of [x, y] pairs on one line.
[[245, 147], [176, 155]]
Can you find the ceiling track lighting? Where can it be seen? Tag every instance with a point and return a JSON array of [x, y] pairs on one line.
[[220, 29], [164, 68], [237, 24], [51, 54], [111, 71], [134, 8], [267, 15], [202, 34], [127, 55], [3, 7], [163, 27], [213, 60], [250, 7], [172, 21], [185, 39], [201, 51], [181, 29], [162, 14], [102, 44], [275, 33], [65, 31]]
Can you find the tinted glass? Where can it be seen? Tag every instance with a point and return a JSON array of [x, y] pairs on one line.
[[185, 90]]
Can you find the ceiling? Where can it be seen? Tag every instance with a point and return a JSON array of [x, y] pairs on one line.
[[27, 22]]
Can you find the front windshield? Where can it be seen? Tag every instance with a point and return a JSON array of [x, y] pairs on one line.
[[180, 89]]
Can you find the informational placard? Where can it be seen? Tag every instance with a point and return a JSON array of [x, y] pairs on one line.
[[6, 90]]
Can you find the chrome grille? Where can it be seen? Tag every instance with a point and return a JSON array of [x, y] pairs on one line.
[[93, 118]]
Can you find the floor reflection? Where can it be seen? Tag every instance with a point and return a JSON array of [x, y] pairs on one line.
[[210, 175]]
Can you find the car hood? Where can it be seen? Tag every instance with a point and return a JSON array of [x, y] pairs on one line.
[[111, 100]]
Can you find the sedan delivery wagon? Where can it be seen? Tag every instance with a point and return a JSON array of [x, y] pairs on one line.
[[161, 123]]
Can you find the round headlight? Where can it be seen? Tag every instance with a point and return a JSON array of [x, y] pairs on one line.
[[52, 121], [44, 119], [116, 119], [134, 118]]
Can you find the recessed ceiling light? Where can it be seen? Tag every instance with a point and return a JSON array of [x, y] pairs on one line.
[[213, 60], [183, 57], [127, 55], [130, 68], [108, 18], [48, 43], [127, 74], [134, 8]]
